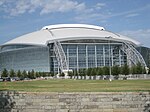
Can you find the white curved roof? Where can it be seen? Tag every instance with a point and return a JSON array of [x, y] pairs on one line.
[[63, 32], [72, 26]]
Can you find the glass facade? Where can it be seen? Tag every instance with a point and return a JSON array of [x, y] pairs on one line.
[[78, 55], [29, 58], [145, 52], [14, 47], [88, 55]]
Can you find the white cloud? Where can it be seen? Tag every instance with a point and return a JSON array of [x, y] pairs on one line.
[[132, 15], [96, 13], [143, 36], [80, 7], [128, 13], [83, 18], [21, 7], [87, 14], [45, 6], [58, 6], [100, 5], [2, 2], [81, 11]]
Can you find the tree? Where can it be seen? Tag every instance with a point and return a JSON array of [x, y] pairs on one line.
[[89, 72], [75, 72], [40, 74], [70, 73], [84, 72], [125, 69], [106, 70], [144, 70], [133, 70], [62, 74], [48, 74], [94, 72], [139, 68], [43, 74], [29, 75], [24, 74], [100, 71], [149, 69], [115, 70], [32, 74], [12, 73], [19, 74], [80, 73], [37, 74], [52, 74], [5, 73]]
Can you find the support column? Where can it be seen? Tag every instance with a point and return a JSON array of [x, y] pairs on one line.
[[86, 56], [103, 55], [119, 57], [77, 59], [112, 60], [54, 66], [95, 56], [58, 71], [68, 57]]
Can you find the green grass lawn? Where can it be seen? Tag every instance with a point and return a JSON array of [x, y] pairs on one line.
[[68, 85]]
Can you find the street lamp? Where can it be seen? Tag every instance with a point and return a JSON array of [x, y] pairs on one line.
[[108, 38]]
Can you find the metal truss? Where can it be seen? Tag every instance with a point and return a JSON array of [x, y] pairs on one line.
[[60, 55], [133, 56]]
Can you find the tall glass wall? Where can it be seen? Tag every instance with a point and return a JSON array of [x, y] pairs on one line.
[[36, 58], [145, 52], [91, 55], [14, 47]]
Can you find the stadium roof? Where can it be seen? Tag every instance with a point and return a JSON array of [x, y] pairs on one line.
[[62, 32]]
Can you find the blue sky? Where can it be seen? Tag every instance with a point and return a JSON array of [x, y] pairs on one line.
[[127, 17]]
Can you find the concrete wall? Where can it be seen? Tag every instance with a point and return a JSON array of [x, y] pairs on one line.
[[75, 102], [120, 77]]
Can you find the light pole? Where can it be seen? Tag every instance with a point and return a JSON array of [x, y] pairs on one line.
[[108, 38]]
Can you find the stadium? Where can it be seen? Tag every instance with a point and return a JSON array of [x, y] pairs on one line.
[[64, 47]]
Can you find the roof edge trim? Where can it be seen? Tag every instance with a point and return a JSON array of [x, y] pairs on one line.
[[58, 26]]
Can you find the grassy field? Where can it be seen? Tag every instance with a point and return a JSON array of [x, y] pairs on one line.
[[67, 85]]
